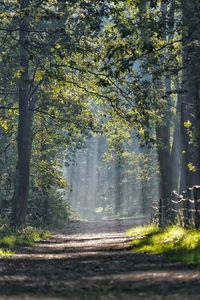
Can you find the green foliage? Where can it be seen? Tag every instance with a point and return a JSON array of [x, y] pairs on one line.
[[51, 209], [142, 230], [142, 164], [191, 167], [29, 235], [177, 243], [187, 124], [10, 238], [95, 66], [6, 252]]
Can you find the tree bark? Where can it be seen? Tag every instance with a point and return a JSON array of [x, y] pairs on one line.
[[167, 154], [118, 191], [190, 107], [174, 162], [162, 134], [25, 122]]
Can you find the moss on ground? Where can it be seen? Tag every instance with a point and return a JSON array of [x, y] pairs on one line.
[[177, 243]]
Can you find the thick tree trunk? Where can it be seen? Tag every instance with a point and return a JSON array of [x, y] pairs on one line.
[[190, 107], [167, 153], [21, 185], [190, 146]]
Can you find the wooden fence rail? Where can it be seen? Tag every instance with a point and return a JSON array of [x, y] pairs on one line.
[[184, 208]]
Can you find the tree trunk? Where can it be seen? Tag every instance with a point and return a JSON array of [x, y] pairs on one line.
[[162, 134], [174, 163], [118, 191], [168, 161], [190, 107], [25, 121]]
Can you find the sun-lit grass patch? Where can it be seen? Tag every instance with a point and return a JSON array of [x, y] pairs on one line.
[[142, 230], [9, 238], [6, 252], [28, 235], [191, 240], [177, 243], [170, 235]]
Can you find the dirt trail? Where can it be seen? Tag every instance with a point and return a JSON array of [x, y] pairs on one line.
[[92, 261]]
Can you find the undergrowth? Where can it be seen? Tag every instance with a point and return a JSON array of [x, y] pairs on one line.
[[10, 238], [175, 242], [142, 230]]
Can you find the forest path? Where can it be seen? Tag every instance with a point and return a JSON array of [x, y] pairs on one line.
[[92, 261]]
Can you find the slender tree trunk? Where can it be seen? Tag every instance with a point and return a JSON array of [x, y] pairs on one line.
[[45, 187], [175, 150], [118, 191], [25, 121], [163, 159]]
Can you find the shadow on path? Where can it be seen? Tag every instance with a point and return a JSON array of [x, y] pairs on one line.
[[94, 263]]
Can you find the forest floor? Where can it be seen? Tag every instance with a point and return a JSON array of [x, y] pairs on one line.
[[92, 261]]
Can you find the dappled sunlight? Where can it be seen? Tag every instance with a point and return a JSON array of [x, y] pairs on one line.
[[100, 144], [142, 230], [93, 264], [177, 243]]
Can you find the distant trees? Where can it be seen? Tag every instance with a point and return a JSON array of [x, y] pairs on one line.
[[83, 65]]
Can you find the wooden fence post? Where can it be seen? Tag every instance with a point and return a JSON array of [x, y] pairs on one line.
[[155, 211], [190, 192], [197, 206], [176, 201], [161, 215], [186, 209], [173, 207]]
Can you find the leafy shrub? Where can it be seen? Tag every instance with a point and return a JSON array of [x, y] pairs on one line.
[[9, 238], [55, 213]]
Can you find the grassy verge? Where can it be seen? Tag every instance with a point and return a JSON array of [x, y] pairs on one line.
[[10, 238], [177, 243]]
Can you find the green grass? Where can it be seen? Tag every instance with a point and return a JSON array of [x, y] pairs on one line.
[[177, 243], [6, 252], [10, 238], [142, 230]]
